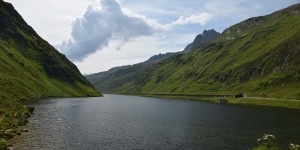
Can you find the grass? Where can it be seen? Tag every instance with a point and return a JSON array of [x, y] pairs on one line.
[[265, 102], [261, 59], [12, 115], [295, 104], [31, 69]]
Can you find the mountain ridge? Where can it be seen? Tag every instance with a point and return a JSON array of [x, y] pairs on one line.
[[206, 36], [23, 49], [200, 39], [256, 56]]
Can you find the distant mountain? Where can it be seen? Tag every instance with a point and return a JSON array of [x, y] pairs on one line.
[[116, 76], [206, 36], [259, 57], [30, 67], [159, 57]]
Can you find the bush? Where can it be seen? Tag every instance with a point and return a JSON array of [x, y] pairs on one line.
[[294, 146], [268, 142]]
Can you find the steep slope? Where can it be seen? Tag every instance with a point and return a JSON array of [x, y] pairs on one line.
[[30, 69], [259, 56], [118, 76], [206, 36]]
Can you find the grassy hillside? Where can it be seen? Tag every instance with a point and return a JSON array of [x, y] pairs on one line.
[[259, 57], [118, 76], [30, 68]]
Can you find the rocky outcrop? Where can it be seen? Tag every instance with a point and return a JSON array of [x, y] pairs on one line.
[[206, 36]]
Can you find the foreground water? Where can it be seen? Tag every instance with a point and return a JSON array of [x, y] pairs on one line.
[[127, 122]]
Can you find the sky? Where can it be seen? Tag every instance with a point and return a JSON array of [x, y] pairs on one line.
[[97, 35]]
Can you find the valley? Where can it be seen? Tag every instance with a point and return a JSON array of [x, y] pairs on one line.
[[173, 100], [258, 57]]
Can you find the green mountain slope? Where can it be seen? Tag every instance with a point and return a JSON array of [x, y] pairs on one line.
[[30, 69], [118, 76], [259, 57]]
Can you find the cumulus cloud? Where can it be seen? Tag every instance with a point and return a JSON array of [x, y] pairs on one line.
[[98, 26], [108, 21], [194, 19]]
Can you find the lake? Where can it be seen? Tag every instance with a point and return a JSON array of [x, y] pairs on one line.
[[129, 122]]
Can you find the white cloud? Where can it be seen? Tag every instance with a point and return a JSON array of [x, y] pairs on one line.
[[98, 26], [54, 18], [135, 51], [108, 21], [194, 19]]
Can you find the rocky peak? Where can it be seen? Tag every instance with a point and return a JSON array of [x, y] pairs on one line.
[[206, 36]]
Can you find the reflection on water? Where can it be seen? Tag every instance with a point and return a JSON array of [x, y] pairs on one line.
[[127, 122]]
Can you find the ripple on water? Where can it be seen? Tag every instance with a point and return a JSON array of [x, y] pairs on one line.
[[126, 122]]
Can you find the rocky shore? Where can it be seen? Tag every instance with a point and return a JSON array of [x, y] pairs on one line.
[[13, 115]]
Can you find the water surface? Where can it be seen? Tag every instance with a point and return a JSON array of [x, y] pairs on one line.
[[128, 122]]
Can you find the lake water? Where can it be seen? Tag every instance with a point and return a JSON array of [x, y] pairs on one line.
[[128, 122]]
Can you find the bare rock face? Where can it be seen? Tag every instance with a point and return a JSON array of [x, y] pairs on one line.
[[206, 36]]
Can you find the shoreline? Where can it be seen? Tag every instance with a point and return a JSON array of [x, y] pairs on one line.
[[12, 141], [13, 116], [254, 101]]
